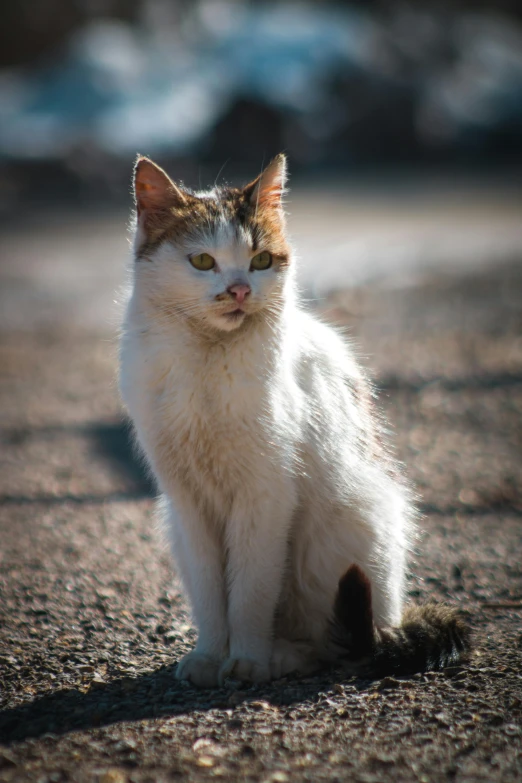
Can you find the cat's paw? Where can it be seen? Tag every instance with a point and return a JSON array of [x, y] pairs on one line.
[[244, 669], [199, 669], [289, 657]]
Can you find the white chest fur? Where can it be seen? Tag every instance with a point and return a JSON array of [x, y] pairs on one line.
[[205, 413]]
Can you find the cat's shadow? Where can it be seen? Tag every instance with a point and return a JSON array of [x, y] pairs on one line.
[[153, 695]]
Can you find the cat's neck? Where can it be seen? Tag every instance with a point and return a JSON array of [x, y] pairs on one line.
[[179, 335]]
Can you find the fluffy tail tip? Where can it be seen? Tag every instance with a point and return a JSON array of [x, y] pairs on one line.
[[430, 637]]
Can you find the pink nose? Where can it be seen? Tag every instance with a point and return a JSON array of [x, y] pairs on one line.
[[239, 291]]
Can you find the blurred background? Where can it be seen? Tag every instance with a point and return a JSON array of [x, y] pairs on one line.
[[402, 122], [204, 84]]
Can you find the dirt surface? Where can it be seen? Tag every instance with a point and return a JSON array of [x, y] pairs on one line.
[[92, 621]]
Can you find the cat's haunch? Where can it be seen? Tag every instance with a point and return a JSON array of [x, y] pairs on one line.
[[258, 424]]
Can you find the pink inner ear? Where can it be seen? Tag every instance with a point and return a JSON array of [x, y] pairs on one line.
[[271, 196], [153, 187], [268, 189]]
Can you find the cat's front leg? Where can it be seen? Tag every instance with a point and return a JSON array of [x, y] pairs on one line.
[[257, 542], [198, 553]]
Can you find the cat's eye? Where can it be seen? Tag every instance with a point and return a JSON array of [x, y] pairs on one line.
[[203, 262], [261, 261]]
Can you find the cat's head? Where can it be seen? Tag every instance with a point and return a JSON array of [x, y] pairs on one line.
[[217, 259]]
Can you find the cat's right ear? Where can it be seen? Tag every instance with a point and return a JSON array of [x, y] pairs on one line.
[[154, 191], [268, 189]]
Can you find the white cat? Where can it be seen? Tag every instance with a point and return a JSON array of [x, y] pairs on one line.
[[257, 423]]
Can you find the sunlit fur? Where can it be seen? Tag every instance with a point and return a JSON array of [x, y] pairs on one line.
[[259, 430]]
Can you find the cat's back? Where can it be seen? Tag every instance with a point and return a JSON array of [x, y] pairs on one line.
[[340, 422], [324, 356]]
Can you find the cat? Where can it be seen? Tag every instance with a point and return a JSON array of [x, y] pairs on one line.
[[288, 522]]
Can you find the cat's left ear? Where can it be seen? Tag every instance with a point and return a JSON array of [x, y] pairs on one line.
[[268, 189], [153, 189]]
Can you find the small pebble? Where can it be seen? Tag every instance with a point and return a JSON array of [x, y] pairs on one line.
[[205, 761], [388, 683], [113, 776], [512, 730]]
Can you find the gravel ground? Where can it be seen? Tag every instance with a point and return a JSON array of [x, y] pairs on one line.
[[92, 621]]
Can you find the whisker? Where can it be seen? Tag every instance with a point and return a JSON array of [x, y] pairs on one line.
[[220, 171]]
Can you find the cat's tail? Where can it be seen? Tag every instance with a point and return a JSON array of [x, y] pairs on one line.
[[430, 637]]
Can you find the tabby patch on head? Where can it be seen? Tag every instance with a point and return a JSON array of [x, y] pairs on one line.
[[215, 258]]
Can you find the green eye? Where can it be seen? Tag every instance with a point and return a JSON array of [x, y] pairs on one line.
[[261, 261], [203, 262]]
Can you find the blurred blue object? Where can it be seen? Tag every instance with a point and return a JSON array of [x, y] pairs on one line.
[[119, 89]]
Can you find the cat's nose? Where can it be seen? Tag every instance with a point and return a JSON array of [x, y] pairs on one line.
[[239, 292]]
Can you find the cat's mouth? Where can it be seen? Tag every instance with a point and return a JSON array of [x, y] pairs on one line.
[[232, 319], [235, 314]]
